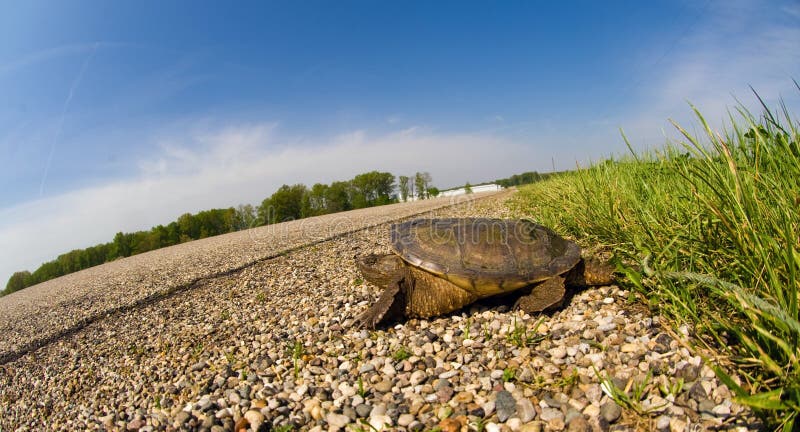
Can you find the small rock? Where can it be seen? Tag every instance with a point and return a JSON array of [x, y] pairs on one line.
[[550, 414], [417, 377], [136, 424], [697, 392], [405, 420], [363, 410], [677, 425], [182, 418], [384, 386], [198, 366], [505, 405], [558, 353], [255, 418], [448, 374], [492, 427], [578, 424], [464, 397], [525, 410], [444, 394], [450, 425], [721, 411], [416, 426], [514, 423], [610, 411], [336, 421], [689, 373], [556, 424], [531, 427], [380, 422]]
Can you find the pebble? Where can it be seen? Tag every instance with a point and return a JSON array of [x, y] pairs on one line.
[[384, 386], [505, 405], [525, 410], [551, 414], [255, 418], [405, 420], [450, 425], [610, 411], [578, 424], [337, 421]]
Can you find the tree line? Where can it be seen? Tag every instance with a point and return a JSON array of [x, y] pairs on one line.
[[298, 201], [524, 178]]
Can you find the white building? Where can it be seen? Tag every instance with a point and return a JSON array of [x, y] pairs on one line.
[[475, 189]]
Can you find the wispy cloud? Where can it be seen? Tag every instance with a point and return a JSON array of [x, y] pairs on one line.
[[714, 65], [64, 110]]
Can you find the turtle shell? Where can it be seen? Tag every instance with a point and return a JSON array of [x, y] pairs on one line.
[[484, 256]]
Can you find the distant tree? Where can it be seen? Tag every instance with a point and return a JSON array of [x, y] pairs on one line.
[[244, 217], [419, 185], [404, 187], [122, 245], [337, 197], [433, 191], [189, 227], [173, 234], [316, 202], [467, 188], [286, 203], [372, 188], [17, 281], [520, 179], [265, 212]]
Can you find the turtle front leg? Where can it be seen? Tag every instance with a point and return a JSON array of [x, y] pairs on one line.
[[547, 294], [391, 304]]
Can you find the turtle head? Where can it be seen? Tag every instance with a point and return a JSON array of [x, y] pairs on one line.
[[380, 270], [591, 272]]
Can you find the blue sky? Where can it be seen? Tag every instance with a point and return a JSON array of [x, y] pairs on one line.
[[122, 115]]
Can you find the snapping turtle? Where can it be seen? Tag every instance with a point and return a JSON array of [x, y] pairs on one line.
[[440, 265]]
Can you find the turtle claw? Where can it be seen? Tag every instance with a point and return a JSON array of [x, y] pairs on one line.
[[547, 294], [391, 303]]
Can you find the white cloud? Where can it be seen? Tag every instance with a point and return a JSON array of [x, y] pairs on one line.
[[243, 164], [730, 49]]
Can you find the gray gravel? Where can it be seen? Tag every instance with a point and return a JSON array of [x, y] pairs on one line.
[[272, 345], [41, 313]]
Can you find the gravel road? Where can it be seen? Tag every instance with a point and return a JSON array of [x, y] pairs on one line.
[[253, 331]]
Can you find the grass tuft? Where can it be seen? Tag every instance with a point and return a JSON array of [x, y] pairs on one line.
[[709, 228]]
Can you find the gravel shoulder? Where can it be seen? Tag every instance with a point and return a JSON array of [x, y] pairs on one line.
[[42, 313], [266, 341]]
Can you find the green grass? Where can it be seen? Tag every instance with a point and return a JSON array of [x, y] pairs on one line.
[[708, 231]]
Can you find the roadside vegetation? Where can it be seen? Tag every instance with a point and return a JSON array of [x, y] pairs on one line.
[[708, 229]]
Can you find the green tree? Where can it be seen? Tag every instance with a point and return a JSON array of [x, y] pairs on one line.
[[433, 191], [17, 281], [520, 179], [467, 188], [189, 227], [404, 187], [122, 246], [419, 186], [286, 204], [372, 188], [244, 217], [265, 212], [337, 197], [316, 199]]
